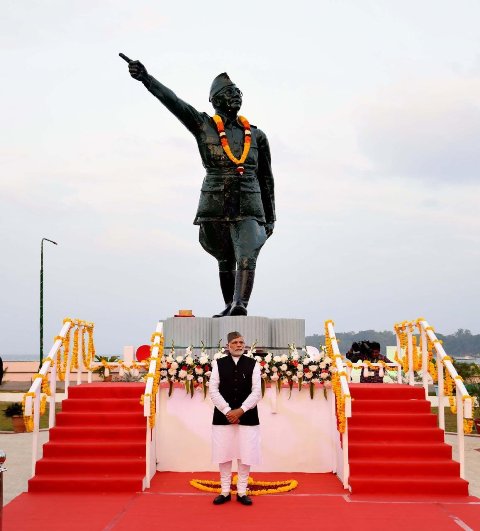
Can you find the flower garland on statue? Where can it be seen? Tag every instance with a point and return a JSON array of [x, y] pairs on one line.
[[273, 487], [226, 147]]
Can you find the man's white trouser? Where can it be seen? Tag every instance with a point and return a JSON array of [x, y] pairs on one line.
[[226, 477]]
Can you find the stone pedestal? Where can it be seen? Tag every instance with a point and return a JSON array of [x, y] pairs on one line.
[[265, 332]]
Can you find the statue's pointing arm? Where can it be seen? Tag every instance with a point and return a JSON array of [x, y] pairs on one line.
[[187, 114]]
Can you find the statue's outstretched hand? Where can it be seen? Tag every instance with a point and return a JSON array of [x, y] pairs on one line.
[[136, 69], [269, 229]]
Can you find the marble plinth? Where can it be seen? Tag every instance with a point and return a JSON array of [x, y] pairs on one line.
[[265, 332]]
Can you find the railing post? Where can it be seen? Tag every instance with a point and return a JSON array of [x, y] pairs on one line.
[[441, 393], [460, 434], [349, 373], [148, 451], [346, 466], [424, 358], [80, 356], [67, 374], [36, 428], [53, 392], [3, 468], [411, 374]]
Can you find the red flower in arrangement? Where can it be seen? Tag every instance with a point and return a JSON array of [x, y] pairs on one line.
[[184, 368], [295, 362], [207, 368], [263, 363]]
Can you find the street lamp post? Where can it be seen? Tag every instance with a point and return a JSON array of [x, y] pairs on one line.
[[41, 298]]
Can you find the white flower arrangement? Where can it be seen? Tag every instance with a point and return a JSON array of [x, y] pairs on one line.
[[308, 367]]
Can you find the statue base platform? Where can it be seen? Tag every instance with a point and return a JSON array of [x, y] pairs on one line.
[[265, 332]]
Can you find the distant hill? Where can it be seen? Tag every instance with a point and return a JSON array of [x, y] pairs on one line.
[[461, 343]]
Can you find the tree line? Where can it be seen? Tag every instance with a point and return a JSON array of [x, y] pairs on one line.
[[461, 343]]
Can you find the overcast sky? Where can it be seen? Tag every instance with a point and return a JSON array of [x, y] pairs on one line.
[[372, 109]]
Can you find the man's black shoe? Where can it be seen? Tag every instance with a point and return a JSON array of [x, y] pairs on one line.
[[244, 500], [221, 499]]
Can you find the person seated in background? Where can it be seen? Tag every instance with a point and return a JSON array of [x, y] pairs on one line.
[[367, 351]]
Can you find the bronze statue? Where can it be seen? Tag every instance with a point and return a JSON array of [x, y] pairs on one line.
[[236, 211]]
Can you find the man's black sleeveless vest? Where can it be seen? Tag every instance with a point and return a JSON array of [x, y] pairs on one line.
[[235, 386]]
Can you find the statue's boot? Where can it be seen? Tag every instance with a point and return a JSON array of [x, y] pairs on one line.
[[227, 284], [243, 289]]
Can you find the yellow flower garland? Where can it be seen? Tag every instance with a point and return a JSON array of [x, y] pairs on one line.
[[276, 487], [336, 385], [401, 331], [28, 419], [156, 377], [74, 361]]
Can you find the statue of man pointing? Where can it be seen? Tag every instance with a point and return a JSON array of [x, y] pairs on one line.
[[236, 211]]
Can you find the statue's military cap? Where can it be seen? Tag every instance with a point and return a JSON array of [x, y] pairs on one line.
[[219, 83]]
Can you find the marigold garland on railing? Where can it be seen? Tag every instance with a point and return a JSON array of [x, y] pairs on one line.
[[28, 419], [336, 384], [432, 365], [74, 360], [155, 376], [61, 362], [401, 357], [449, 385]]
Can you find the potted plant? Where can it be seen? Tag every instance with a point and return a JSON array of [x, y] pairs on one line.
[[15, 412], [102, 369]]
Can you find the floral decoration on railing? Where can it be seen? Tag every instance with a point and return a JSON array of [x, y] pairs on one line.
[[61, 363], [155, 375], [402, 330], [336, 384], [305, 368]]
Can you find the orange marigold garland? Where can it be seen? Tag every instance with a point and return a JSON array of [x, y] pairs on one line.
[[432, 367], [226, 147], [155, 376], [336, 385], [400, 330], [272, 487]]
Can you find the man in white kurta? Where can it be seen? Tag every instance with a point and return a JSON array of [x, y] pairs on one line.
[[235, 390]]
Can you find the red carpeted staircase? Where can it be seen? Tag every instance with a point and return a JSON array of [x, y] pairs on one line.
[[395, 446], [98, 444]]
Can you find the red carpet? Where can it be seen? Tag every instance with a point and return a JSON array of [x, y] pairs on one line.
[[395, 446], [98, 444], [171, 504]]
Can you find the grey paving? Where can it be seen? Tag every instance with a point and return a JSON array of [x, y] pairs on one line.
[[18, 447], [472, 460]]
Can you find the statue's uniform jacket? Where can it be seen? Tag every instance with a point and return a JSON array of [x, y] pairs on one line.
[[225, 195]]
